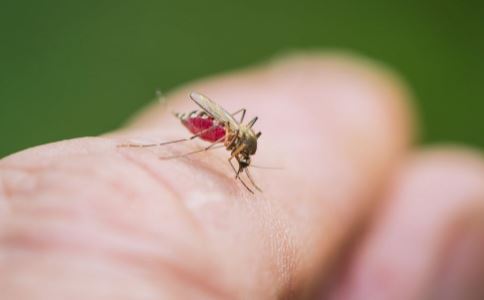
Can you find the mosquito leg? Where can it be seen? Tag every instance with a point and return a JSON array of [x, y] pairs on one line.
[[234, 154], [243, 114], [238, 150], [167, 143], [232, 142], [235, 171], [245, 185], [232, 165], [252, 122], [211, 146], [226, 137], [252, 180]]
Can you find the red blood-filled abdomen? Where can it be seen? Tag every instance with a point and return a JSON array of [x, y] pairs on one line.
[[198, 124]]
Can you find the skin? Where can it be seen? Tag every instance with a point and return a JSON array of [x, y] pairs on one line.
[[357, 212]]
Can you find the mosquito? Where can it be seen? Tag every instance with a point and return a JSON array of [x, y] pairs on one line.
[[215, 125]]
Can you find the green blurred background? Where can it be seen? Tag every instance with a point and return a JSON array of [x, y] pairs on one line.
[[80, 68]]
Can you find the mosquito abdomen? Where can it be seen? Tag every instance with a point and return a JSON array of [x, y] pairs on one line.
[[197, 124]]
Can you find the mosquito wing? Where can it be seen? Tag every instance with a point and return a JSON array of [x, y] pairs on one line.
[[213, 109]]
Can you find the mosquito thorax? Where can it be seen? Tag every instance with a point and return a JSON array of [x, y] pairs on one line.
[[249, 139]]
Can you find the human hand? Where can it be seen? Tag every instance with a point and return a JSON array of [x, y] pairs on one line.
[[356, 212]]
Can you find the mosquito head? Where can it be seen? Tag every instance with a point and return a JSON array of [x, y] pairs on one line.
[[244, 162]]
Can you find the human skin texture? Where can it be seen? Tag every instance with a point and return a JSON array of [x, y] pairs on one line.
[[357, 211]]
